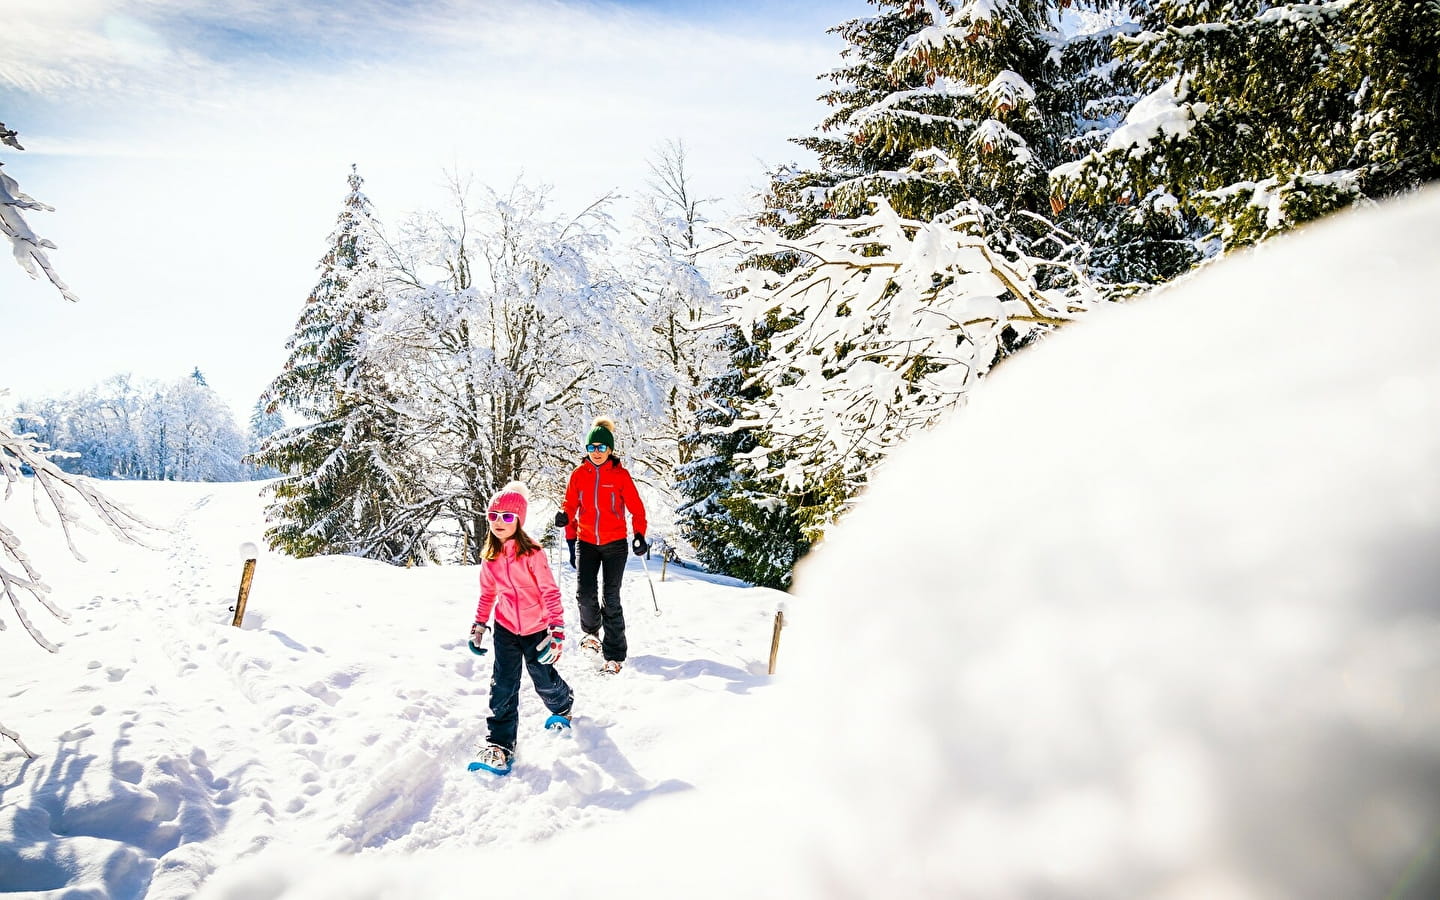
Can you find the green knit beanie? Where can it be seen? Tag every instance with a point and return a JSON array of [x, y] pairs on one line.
[[600, 433]]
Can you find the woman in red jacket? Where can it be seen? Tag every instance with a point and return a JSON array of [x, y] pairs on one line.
[[598, 496]]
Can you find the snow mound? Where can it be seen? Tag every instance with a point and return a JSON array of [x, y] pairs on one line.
[[1164, 618]]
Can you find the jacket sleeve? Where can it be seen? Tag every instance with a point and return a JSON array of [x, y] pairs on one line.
[[572, 506], [549, 591], [631, 496], [487, 594]]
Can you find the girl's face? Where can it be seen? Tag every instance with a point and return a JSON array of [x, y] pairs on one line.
[[597, 457], [502, 529]]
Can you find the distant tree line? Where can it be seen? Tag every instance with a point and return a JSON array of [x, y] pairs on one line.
[[130, 428]]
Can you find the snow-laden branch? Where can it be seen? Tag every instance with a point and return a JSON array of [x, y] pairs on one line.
[[885, 323], [22, 459], [29, 248]]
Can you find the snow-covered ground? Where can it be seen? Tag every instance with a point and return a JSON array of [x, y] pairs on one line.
[[1157, 616], [339, 718]]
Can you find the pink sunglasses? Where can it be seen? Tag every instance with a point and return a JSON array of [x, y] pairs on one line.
[[506, 517]]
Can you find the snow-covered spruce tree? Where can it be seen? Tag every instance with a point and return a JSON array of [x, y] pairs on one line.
[[1260, 116], [504, 337], [925, 249], [345, 485], [675, 309], [736, 520], [23, 458]]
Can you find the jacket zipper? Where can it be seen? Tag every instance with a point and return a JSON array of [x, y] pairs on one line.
[[597, 506], [510, 576]]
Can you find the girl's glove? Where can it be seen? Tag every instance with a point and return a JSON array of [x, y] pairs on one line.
[[477, 634], [552, 645]]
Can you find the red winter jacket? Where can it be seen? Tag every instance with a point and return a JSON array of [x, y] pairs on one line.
[[521, 591], [596, 501]]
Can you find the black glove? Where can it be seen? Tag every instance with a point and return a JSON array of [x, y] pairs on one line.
[[571, 543], [641, 548], [561, 520], [477, 634]]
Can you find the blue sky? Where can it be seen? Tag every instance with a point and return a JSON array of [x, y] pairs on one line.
[[196, 152]]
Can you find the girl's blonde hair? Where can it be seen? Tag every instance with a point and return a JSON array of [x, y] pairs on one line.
[[493, 546]]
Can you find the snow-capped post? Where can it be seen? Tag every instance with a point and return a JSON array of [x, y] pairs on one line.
[[248, 552], [775, 637]]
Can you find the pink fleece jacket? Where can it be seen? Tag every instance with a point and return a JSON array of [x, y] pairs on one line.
[[521, 591]]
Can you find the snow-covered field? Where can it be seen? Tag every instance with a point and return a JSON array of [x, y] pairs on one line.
[[1157, 616], [339, 718]]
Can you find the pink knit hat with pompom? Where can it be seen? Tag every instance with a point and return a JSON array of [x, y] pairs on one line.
[[512, 498]]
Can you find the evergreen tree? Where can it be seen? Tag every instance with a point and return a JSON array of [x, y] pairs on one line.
[[344, 483], [922, 250], [1260, 116], [737, 522]]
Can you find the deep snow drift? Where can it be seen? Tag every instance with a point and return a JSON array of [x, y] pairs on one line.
[[1157, 615]]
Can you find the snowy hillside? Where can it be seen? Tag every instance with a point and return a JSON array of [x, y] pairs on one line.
[[1157, 616], [338, 719]]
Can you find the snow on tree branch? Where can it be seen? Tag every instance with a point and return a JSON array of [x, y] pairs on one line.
[[29, 247], [885, 323], [19, 453]]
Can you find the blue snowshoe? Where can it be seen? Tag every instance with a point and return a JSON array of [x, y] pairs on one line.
[[493, 759]]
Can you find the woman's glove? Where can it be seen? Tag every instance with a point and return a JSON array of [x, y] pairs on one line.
[[477, 634], [552, 645], [561, 520], [639, 545]]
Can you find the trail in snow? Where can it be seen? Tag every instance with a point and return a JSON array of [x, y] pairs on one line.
[[339, 718]]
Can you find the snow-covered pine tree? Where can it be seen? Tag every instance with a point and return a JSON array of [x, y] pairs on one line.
[[924, 254], [1259, 116], [346, 487], [737, 522]]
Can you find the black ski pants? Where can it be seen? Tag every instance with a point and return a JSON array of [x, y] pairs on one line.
[[510, 651], [590, 560]]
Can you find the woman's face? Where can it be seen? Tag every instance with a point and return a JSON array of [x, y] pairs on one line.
[[502, 529], [597, 456]]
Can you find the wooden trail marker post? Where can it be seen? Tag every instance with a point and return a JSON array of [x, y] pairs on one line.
[[248, 552], [775, 637]]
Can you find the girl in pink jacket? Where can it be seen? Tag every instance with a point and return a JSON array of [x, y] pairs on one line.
[[516, 585]]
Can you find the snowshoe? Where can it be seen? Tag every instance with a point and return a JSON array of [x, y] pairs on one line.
[[493, 759], [611, 667], [557, 723], [591, 643]]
